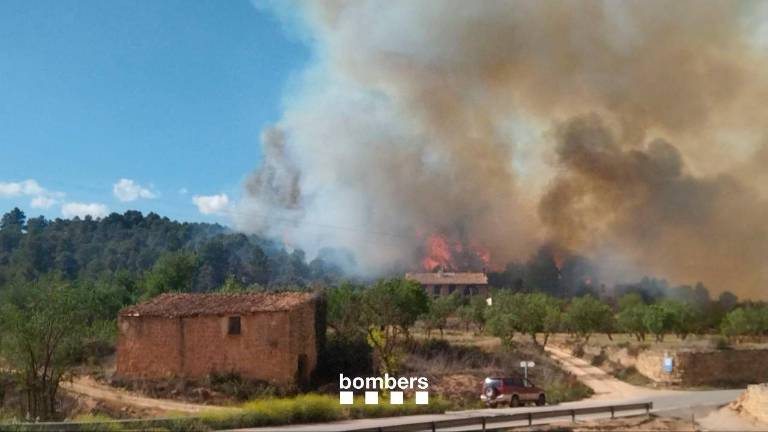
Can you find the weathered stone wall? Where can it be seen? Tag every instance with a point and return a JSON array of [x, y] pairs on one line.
[[268, 347], [303, 339], [692, 368], [148, 347], [755, 402]]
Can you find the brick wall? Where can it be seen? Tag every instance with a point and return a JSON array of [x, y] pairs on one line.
[[268, 347]]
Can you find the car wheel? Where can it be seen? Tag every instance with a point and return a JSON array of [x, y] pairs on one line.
[[515, 401], [542, 400]]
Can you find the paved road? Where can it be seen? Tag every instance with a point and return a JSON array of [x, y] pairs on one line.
[[664, 401], [608, 391]]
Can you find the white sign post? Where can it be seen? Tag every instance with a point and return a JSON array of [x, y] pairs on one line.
[[525, 365]]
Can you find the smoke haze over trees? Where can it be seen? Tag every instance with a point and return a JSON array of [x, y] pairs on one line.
[[629, 132]]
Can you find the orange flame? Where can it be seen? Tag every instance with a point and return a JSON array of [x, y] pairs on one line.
[[438, 253], [559, 258], [447, 254]]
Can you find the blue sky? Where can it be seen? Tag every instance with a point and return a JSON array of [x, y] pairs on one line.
[[115, 105]]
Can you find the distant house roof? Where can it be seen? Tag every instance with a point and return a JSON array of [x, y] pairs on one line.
[[175, 305], [446, 278]]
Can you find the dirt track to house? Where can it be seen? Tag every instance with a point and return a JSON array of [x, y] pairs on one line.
[[86, 386], [604, 385]]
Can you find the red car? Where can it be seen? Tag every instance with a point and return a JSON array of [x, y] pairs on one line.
[[512, 391]]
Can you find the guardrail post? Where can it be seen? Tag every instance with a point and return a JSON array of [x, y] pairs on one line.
[[648, 409], [612, 412], [483, 421], [573, 416], [434, 428], [530, 419]]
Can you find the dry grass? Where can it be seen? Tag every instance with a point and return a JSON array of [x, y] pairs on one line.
[[457, 371], [692, 342]]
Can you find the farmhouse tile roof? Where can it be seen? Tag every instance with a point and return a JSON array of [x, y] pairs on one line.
[[175, 305], [448, 278]]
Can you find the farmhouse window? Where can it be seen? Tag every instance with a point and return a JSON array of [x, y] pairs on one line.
[[234, 325]]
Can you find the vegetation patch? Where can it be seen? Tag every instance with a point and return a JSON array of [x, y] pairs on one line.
[[632, 376], [308, 408], [456, 372]]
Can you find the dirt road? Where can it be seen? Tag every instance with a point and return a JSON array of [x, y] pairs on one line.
[[605, 385], [88, 387], [699, 405]]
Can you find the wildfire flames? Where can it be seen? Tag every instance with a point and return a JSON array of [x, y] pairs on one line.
[[451, 255]]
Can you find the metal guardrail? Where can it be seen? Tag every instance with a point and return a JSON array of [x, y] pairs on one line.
[[485, 421], [127, 424], [482, 421]]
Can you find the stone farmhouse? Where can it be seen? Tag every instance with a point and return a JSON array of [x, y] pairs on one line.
[[446, 283], [262, 336]]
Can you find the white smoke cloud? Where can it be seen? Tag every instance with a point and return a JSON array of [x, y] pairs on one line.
[[127, 190]]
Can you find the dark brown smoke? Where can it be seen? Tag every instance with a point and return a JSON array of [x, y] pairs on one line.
[[643, 202]]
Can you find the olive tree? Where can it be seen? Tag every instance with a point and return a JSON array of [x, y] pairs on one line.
[[391, 307], [587, 315], [440, 309], [43, 327]]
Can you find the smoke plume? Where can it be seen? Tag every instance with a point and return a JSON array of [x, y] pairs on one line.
[[615, 129]]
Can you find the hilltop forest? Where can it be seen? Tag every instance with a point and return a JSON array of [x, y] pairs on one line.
[[152, 253]]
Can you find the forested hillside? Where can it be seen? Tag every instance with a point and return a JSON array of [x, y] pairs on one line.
[[146, 249]]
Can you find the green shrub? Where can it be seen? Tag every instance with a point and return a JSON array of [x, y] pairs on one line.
[[234, 385], [360, 410], [309, 408], [316, 408], [100, 422], [632, 376], [565, 390], [599, 359]]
